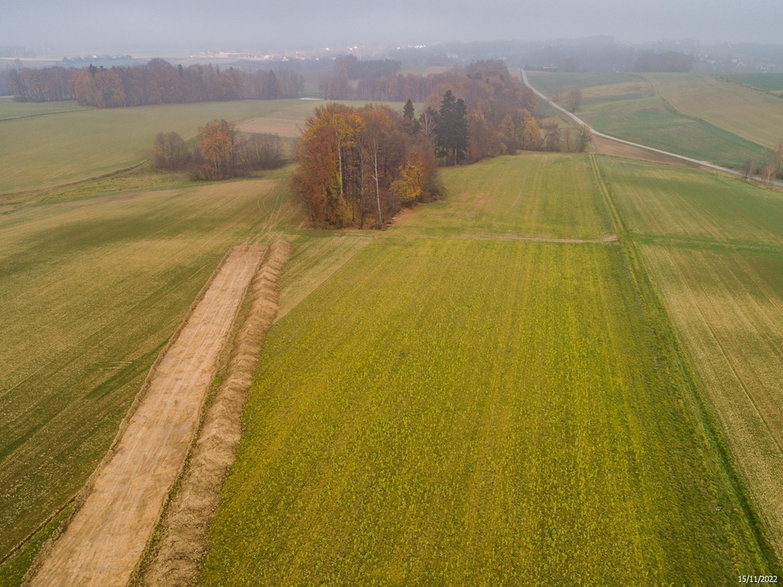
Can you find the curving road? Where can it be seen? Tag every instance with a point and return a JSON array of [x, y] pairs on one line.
[[579, 121]]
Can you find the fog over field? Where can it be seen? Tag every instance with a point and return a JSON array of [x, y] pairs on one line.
[[81, 25]]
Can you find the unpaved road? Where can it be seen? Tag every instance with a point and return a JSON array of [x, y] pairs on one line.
[[581, 122], [103, 542]]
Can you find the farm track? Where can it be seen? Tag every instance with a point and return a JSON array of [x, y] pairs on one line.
[[103, 541], [605, 240], [177, 555]]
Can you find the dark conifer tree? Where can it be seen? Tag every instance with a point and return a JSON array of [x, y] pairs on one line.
[[451, 129]]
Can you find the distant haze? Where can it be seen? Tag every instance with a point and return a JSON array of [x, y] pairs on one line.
[[47, 26]]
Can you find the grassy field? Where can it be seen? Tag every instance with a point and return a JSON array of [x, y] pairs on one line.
[[455, 406], [288, 120], [504, 198], [714, 247], [47, 151], [627, 106], [688, 207], [748, 113], [549, 82], [93, 284], [52, 150], [11, 109], [768, 82]]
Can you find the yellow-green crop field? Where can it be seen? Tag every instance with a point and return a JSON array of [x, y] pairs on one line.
[[714, 248], [453, 408], [488, 392]]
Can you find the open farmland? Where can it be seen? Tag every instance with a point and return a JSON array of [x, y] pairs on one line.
[[11, 109], [714, 247], [550, 82], [768, 82], [92, 288], [506, 197], [631, 109], [289, 118], [746, 112], [458, 406], [51, 150]]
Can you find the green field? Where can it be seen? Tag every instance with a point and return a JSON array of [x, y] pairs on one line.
[[714, 247], [555, 198], [549, 82], [748, 113], [768, 82], [688, 207], [53, 150], [487, 392], [11, 109], [628, 106], [92, 287], [458, 409]]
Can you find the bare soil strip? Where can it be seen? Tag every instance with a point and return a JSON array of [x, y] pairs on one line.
[[177, 556], [106, 536]]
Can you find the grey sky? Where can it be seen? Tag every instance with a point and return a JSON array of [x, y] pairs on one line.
[[82, 25]]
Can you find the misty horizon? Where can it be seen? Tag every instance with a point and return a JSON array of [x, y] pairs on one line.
[[50, 26]]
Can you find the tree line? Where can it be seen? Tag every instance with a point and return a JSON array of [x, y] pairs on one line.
[[49, 84], [770, 169], [157, 82], [219, 152]]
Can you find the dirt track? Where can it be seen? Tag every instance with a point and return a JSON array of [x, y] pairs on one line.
[[182, 542], [103, 542]]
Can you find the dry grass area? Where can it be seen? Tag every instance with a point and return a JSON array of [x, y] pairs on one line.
[[714, 248], [728, 309], [103, 541], [747, 112]]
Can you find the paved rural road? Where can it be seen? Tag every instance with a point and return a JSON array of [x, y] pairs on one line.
[[578, 120]]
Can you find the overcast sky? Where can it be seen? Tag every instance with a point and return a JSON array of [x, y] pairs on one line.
[[92, 25]]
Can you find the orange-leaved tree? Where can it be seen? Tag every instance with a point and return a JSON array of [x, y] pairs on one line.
[[216, 150]]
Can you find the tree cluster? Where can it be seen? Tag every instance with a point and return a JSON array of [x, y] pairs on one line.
[[497, 113], [49, 84], [770, 169], [358, 166], [219, 153]]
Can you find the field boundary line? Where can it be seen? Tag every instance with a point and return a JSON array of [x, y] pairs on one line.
[[79, 498], [78, 182], [700, 406], [43, 114]]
